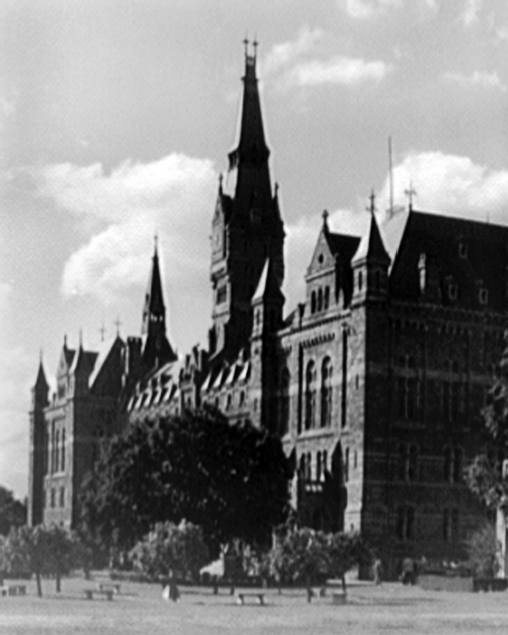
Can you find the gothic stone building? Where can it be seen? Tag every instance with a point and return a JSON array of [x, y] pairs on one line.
[[374, 382]]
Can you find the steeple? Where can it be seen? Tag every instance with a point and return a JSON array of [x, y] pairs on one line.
[[371, 247], [250, 145], [247, 227], [154, 309], [156, 347]]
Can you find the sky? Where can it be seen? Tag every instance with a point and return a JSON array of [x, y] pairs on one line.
[[116, 117]]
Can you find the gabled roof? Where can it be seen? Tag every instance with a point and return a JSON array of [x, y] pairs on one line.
[[103, 354], [83, 361]]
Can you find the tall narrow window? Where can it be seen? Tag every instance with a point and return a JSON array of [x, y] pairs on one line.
[[318, 466], [326, 393], [346, 466], [62, 454], [310, 396], [343, 413], [57, 451], [284, 402]]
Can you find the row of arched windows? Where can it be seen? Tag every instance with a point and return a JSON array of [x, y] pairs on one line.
[[319, 300], [406, 520], [305, 467]]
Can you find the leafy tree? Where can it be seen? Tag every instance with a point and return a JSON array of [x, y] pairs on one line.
[[39, 550], [482, 550], [12, 511], [484, 476], [231, 480], [307, 556], [169, 547]]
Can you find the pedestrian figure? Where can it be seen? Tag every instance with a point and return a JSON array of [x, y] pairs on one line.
[[408, 572], [377, 570], [170, 591]]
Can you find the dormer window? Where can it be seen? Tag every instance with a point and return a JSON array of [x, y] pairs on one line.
[[462, 250], [422, 270], [483, 296]]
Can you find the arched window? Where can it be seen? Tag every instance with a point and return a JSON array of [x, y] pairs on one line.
[[326, 392], [302, 468], [320, 300], [327, 298], [360, 280], [346, 466], [310, 396], [308, 464], [324, 463], [313, 302], [284, 402]]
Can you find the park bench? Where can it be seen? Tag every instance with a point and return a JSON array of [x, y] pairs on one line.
[[240, 597], [89, 593], [16, 589], [109, 586]]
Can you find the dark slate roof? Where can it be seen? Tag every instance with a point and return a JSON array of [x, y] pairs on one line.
[[371, 245], [343, 245], [469, 254]]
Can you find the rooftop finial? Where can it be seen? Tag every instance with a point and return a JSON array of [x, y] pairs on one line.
[[118, 324], [372, 199], [325, 215], [221, 180], [156, 243], [410, 193], [65, 341], [81, 337], [246, 45], [255, 44], [40, 355], [102, 331]]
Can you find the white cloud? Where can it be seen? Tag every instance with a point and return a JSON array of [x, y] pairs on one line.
[[478, 78], [471, 12], [173, 197], [16, 377], [339, 70], [366, 9], [311, 60], [282, 55], [452, 185]]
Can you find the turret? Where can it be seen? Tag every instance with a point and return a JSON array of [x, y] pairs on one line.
[[370, 264], [267, 303], [37, 454]]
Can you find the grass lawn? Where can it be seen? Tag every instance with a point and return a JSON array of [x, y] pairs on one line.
[[140, 609]]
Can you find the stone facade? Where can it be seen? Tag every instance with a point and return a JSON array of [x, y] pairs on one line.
[[374, 382]]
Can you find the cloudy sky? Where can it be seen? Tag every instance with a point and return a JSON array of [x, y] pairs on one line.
[[116, 117]]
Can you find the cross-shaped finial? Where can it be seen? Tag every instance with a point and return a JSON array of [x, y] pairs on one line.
[[118, 324], [102, 331], [246, 45], [325, 215], [372, 199], [410, 193], [255, 45]]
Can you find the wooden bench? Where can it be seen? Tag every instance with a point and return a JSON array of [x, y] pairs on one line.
[[16, 589], [109, 586], [89, 593], [240, 598]]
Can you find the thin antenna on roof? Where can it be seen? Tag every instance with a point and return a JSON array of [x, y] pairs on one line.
[[390, 169], [118, 324], [102, 331]]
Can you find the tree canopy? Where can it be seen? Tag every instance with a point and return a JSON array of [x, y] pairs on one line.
[[484, 476], [12, 511], [168, 547], [40, 550], [231, 480]]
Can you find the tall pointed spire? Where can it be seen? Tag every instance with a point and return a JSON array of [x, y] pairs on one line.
[[157, 349], [41, 383], [154, 300], [250, 145]]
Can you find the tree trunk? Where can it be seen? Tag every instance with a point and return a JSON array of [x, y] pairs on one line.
[[39, 586], [344, 582], [58, 582]]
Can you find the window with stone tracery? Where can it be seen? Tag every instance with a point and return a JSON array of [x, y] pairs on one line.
[[326, 393], [310, 396]]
